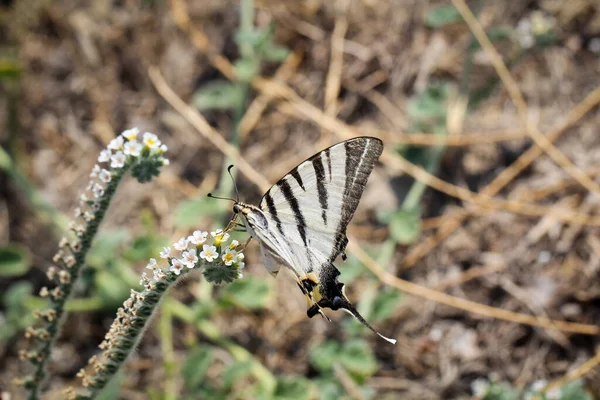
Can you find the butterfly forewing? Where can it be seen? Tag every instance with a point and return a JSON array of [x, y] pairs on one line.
[[312, 205]]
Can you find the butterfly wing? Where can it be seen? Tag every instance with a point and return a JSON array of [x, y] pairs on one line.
[[312, 205]]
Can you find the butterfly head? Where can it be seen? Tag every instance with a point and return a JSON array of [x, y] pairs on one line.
[[252, 216]]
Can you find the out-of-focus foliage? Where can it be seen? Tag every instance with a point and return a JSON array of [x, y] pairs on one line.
[[15, 260]]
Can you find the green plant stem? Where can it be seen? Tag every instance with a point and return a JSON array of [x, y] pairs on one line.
[[166, 340], [124, 345], [208, 329], [246, 26], [58, 305], [415, 193]]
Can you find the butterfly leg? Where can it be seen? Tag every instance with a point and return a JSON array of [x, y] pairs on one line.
[[308, 285]]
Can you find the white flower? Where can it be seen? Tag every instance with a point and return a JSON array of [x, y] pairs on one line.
[[151, 140], [98, 190], [130, 134], [158, 275], [240, 261], [88, 216], [143, 279], [83, 198], [166, 253], [190, 258], [220, 236], [234, 244], [104, 156], [539, 385], [165, 162], [133, 148], [163, 148], [181, 245], [198, 237], [152, 264], [77, 212], [216, 233], [229, 257], [209, 253], [116, 143], [95, 171], [105, 176], [118, 160], [554, 394], [176, 266], [479, 387]]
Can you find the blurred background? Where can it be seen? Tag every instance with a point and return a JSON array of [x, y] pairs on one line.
[[74, 74]]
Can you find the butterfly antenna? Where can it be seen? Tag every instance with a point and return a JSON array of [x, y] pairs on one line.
[[220, 198], [347, 306], [237, 194]]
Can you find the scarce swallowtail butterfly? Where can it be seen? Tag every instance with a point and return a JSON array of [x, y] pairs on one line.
[[301, 221]]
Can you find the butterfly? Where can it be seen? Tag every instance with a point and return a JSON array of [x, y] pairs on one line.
[[301, 221]]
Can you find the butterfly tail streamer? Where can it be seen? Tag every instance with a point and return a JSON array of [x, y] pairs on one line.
[[348, 307]]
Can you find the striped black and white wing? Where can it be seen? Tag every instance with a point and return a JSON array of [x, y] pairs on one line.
[[311, 206]]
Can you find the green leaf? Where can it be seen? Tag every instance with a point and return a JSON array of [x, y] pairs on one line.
[[377, 305], [385, 304], [107, 246], [355, 356], [574, 391], [235, 372], [112, 289], [251, 293], [15, 260], [324, 355], [219, 95], [431, 103], [405, 226], [501, 391], [15, 296], [246, 69], [358, 359], [146, 245], [441, 16], [293, 388], [145, 168], [329, 389], [272, 52], [196, 365]]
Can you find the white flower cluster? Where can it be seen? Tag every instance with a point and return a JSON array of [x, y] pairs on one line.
[[535, 25], [188, 252], [127, 145]]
